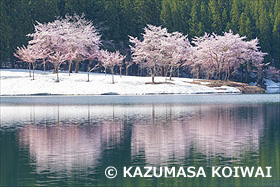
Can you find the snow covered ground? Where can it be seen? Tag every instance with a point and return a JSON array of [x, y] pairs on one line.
[[18, 82], [272, 87]]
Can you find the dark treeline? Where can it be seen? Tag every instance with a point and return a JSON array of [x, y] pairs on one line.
[[119, 18]]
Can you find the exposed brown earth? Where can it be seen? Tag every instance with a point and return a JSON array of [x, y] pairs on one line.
[[243, 87]]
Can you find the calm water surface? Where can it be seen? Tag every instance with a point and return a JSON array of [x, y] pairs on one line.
[[70, 141]]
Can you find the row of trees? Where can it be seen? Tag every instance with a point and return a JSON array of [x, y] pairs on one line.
[[211, 56], [74, 38], [120, 18]]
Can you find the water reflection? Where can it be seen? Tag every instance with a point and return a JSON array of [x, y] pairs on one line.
[[227, 131], [67, 138], [61, 148]]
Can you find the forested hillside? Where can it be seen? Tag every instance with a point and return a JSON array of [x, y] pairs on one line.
[[119, 18]]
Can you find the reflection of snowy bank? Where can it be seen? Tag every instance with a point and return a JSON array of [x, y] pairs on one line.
[[87, 114]]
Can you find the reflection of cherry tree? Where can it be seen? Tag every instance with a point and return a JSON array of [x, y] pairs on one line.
[[159, 133], [62, 148], [160, 142], [230, 133], [221, 132], [67, 146]]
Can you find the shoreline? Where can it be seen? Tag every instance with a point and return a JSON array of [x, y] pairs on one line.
[[190, 99], [16, 82]]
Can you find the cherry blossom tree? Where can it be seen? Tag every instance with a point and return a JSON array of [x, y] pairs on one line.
[[110, 60], [272, 73], [217, 55], [29, 54], [160, 50], [148, 52], [50, 38], [70, 38], [176, 49], [83, 39], [92, 56]]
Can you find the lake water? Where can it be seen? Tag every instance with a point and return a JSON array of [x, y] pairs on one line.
[[70, 141]]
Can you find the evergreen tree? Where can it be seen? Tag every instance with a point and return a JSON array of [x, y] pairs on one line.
[[113, 22], [205, 17], [128, 19], [180, 16], [119, 18], [20, 23], [216, 17], [200, 29], [276, 41], [264, 28], [195, 17], [44, 10], [5, 34], [224, 8], [242, 23], [235, 16], [166, 14]]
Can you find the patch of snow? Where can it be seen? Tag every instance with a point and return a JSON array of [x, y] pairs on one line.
[[18, 82], [271, 86], [204, 82], [252, 84]]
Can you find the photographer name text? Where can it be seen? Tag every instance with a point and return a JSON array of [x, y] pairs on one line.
[[172, 172]]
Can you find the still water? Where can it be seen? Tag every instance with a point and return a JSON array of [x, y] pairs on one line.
[[70, 141]]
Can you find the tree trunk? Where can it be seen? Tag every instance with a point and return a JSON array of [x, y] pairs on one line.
[[171, 71], [70, 67], [228, 74], [105, 71], [57, 78], [55, 69], [33, 72], [77, 67], [153, 74], [198, 72], [246, 74], [112, 71], [219, 75], [165, 75], [120, 71], [29, 67], [44, 67], [126, 70], [153, 78]]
